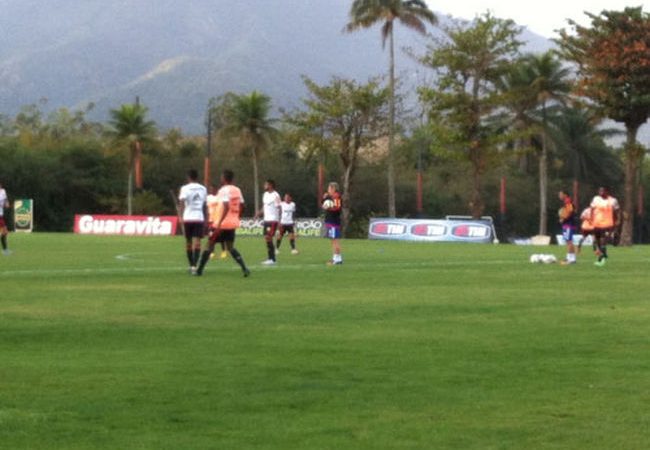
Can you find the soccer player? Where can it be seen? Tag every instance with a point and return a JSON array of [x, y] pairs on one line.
[[332, 207], [605, 217], [213, 206], [271, 211], [227, 220], [192, 199], [567, 216], [586, 228], [4, 203], [287, 211]]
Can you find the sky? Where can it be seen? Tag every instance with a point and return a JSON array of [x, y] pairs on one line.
[[541, 17]]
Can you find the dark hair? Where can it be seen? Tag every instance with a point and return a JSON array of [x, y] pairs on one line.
[[565, 192], [192, 174], [271, 182], [228, 175]]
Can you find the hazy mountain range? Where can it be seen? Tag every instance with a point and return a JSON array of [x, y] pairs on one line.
[[176, 55]]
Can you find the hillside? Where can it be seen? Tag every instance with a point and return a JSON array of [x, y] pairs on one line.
[[177, 55]]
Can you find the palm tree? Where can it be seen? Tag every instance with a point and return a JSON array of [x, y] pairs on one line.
[[581, 141], [550, 86], [247, 119], [411, 13], [131, 128]]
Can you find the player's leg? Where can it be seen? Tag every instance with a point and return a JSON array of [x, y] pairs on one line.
[[188, 244], [209, 249], [270, 228], [292, 241], [334, 233], [230, 245], [601, 243], [278, 241], [3, 238], [224, 253], [567, 234]]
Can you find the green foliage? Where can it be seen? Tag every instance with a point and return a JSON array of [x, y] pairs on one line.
[[613, 59], [465, 101], [340, 119]]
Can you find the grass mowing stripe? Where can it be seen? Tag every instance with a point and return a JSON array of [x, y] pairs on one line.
[[404, 346]]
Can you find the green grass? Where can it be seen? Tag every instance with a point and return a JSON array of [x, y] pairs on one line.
[[108, 343]]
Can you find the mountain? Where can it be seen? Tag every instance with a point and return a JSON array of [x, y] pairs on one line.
[[177, 55]]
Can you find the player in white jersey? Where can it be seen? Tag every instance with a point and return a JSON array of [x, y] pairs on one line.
[[271, 210], [287, 223], [192, 199], [4, 203]]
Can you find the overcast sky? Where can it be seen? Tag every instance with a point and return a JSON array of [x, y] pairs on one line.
[[542, 17]]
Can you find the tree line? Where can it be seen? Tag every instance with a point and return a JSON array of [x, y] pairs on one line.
[[489, 113]]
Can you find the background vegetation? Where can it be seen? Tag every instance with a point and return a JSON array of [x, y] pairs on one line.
[[528, 119]]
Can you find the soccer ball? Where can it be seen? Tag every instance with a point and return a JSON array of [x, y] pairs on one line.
[[549, 259], [535, 258], [327, 204]]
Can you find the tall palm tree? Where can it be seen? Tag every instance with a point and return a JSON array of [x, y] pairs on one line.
[[550, 87], [130, 127], [411, 13], [247, 119]]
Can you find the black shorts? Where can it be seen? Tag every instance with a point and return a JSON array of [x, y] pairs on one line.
[[222, 236], [603, 232], [270, 228], [194, 230], [286, 229]]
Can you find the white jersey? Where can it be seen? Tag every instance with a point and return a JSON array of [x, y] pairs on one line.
[[3, 201], [193, 196], [288, 210], [271, 202]]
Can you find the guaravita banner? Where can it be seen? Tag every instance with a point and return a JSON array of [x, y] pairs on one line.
[[125, 225]]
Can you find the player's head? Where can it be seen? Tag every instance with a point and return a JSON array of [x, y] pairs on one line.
[[603, 191], [213, 189], [192, 175], [563, 195], [332, 187], [269, 185], [287, 197], [227, 176]]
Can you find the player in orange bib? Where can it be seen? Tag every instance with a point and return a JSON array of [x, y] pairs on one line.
[[604, 217], [227, 217]]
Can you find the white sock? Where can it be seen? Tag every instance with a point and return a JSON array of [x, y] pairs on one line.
[[571, 257]]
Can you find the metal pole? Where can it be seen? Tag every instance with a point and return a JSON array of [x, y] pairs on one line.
[[208, 151]]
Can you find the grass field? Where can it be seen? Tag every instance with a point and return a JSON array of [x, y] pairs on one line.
[[107, 343]]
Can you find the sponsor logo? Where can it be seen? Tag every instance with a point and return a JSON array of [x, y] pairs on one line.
[[471, 231], [433, 230], [126, 225], [427, 229], [388, 228], [304, 227]]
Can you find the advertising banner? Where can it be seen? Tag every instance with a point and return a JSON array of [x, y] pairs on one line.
[[24, 215], [443, 230], [125, 225], [303, 227]]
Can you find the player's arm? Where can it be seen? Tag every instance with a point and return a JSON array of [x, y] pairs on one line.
[[617, 214], [222, 210]]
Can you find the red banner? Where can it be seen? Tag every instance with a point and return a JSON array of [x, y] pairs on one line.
[[125, 225]]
